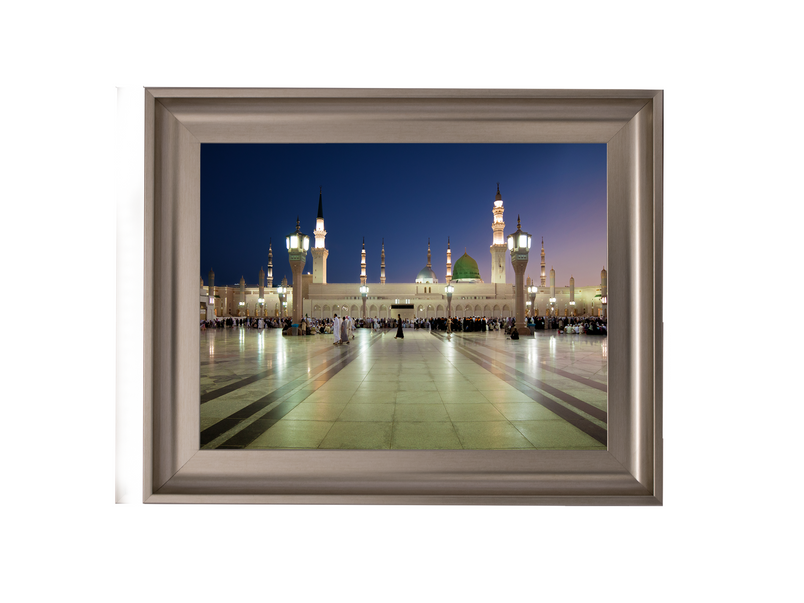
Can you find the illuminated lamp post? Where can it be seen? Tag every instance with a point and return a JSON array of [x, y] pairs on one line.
[[519, 247], [364, 293], [552, 292], [604, 286], [572, 295], [532, 291], [449, 290], [282, 291], [297, 245]]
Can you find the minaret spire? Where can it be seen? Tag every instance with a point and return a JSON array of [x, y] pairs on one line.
[[270, 276], [498, 245], [449, 262], [428, 253], [363, 263], [320, 251], [543, 275]]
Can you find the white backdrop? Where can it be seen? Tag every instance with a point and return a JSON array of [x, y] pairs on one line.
[[72, 211]]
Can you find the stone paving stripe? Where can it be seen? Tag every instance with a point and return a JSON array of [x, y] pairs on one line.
[[578, 421], [600, 386], [237, 441]]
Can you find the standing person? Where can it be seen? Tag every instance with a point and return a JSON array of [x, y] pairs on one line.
[[350, 324], [399, 333], [343, 330], [336, 329]]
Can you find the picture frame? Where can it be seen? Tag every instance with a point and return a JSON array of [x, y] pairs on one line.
[[178, 121]]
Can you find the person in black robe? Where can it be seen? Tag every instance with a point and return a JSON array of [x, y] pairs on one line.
[[399, 333]]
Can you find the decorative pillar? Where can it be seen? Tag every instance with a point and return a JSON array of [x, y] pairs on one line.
[[519, 247], [297, 244], [241, 306]]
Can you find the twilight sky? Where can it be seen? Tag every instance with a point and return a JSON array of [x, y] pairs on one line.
[[404, 193]]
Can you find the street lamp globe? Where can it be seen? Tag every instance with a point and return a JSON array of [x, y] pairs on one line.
[[519, 243]]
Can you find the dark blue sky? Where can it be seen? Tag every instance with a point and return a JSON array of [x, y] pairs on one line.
[[403, 193]]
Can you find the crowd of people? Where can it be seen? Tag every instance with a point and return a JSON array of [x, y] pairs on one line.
[[342, 327]]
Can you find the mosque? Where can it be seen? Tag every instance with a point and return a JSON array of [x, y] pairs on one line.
[[424, 297]]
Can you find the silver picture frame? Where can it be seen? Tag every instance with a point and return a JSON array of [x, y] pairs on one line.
[[177, 121]]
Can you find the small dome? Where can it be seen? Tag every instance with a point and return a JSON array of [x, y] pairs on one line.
[[426, 275], [466, 270]]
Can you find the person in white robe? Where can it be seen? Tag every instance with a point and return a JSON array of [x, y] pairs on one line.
[[350, 324], [336, 329], [344, 326]]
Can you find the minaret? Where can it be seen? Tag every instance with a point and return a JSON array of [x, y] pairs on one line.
[[382, 264], [270, 278], [449, 262], [320, 252], [543, 276], [498, 245], [363, 263], [429, 264]]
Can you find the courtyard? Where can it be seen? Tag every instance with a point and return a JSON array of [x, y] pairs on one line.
[[428, 391]]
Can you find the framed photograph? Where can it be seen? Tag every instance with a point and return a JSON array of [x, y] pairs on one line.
[[621, 465]]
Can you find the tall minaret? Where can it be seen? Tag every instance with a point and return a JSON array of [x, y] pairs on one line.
[[449, 262], [270, 277], [320, 252], [382, 264], [429, 264], [498, 246], [543, 276], [363, 263]]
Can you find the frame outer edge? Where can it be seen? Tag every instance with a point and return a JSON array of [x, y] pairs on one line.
[[658, 284], [175, 153], [148, 291]]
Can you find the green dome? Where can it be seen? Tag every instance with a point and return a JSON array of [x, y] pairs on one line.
[[466, 268]]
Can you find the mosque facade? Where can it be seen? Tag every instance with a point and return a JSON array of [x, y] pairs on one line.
[[425, 297]]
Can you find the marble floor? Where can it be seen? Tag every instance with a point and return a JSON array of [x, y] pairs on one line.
[[427, 391]]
